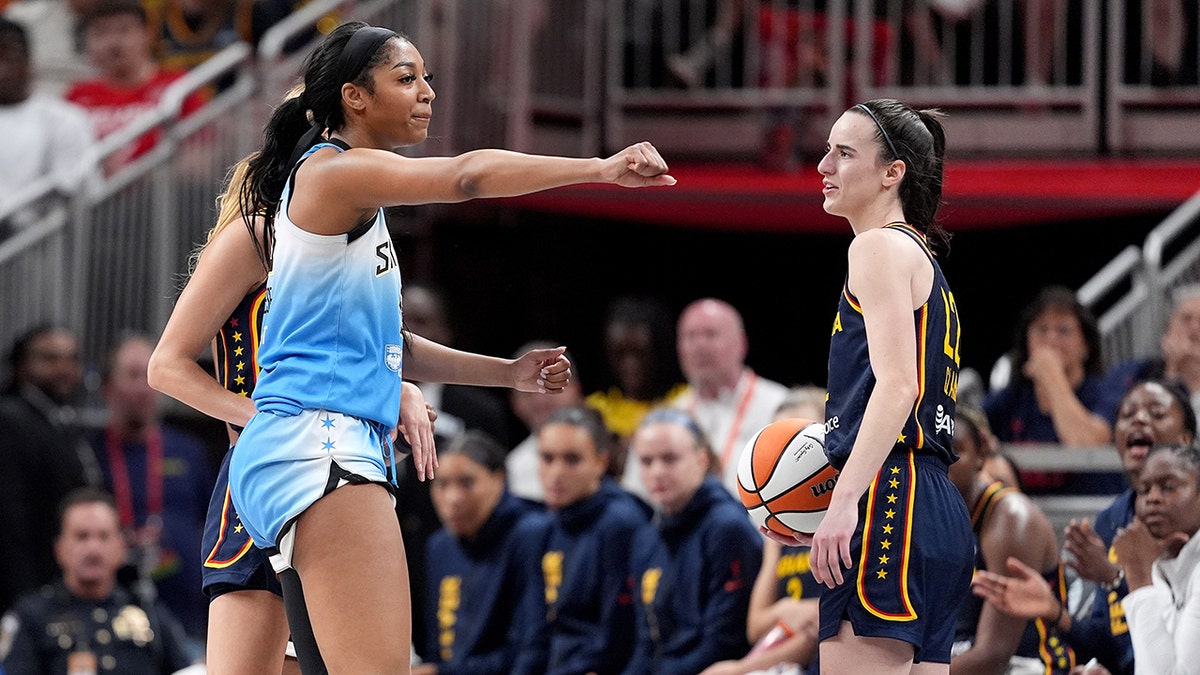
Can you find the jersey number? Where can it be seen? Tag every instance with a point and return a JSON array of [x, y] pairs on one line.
[[953, 327]]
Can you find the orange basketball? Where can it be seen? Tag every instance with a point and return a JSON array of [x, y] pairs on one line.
[[784, 479]]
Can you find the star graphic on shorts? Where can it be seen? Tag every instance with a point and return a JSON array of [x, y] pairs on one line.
[[238, 351], [237, 336], [883, 560], [895, 469], [882, 574], [901, 439], [239, 380], [238, 528], [887, 529], [893, 483], [327, 422], [889, 513], [891, 499], [885, 544], [328, 444]]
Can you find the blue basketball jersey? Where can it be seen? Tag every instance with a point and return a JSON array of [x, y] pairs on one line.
[[930, 426], [331, 329]]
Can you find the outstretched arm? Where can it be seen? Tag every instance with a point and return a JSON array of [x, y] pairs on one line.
[[338, 189]]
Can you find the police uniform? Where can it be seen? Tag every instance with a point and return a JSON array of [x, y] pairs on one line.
[[1042, 649], [693, 572], [913, 547], [328, 389], [49, 632], [229, 559]]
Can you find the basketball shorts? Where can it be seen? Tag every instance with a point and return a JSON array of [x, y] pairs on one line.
[[229, 559], [913, 553], [283, 463]]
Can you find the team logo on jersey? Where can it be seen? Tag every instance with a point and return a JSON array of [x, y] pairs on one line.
[[393, 357], [387, 258], [943, 422]]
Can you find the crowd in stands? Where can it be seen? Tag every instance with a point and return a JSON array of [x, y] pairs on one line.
[[592, 531], [74, 71], [626, 549]]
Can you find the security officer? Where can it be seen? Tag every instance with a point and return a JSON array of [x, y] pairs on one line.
[[85, 623]]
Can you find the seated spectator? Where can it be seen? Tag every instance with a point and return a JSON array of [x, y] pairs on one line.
[[784, 618], [997, 466], [642, 371], [190, 31], [1179, 355], [587, 625], [1152, 413], [43, 454], [1007, 525], [533, 410], [53, 29], [458, 407], [478, 564], [726, 397], [161, 480], [129, 81], [692, 568], [1160, 554], [1057, 393], [52, 135], [86, 622]]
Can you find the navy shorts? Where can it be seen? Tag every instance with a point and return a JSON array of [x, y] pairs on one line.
[[913, 553], [229, 559]]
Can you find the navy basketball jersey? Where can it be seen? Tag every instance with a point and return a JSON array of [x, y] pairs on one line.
[[793, 575], [930, 425], [1041, 640], [236, 351]]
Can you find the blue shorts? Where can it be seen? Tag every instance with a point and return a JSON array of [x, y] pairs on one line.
[[914, 554], [229, 559], [284, 463]]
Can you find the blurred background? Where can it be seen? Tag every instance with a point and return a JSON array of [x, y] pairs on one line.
[[1073, 135]]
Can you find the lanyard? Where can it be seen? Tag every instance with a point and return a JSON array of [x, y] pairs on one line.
[[735, 424], [123, 489]]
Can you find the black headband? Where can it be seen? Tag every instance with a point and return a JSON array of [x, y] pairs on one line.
[[882, 131], [361, 46]]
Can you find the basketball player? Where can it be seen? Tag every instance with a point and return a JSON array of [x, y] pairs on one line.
[[1007, 524], [247, 627], [895, 548], [586, 611], [314, 457], [693, 568]]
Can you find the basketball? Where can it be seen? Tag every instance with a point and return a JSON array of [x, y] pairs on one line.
[[784, 479]]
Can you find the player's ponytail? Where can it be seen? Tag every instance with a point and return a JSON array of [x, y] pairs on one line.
[[917, 139], [347, 55]]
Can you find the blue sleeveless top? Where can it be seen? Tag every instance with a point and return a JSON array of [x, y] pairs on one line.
[[331, 328]]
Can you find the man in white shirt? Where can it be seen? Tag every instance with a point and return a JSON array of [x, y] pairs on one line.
[[728, 399], [47, 136]]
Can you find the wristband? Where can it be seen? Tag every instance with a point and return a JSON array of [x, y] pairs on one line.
[[1111, 586]]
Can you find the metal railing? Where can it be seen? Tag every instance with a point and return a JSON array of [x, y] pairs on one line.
[[572, 76]]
